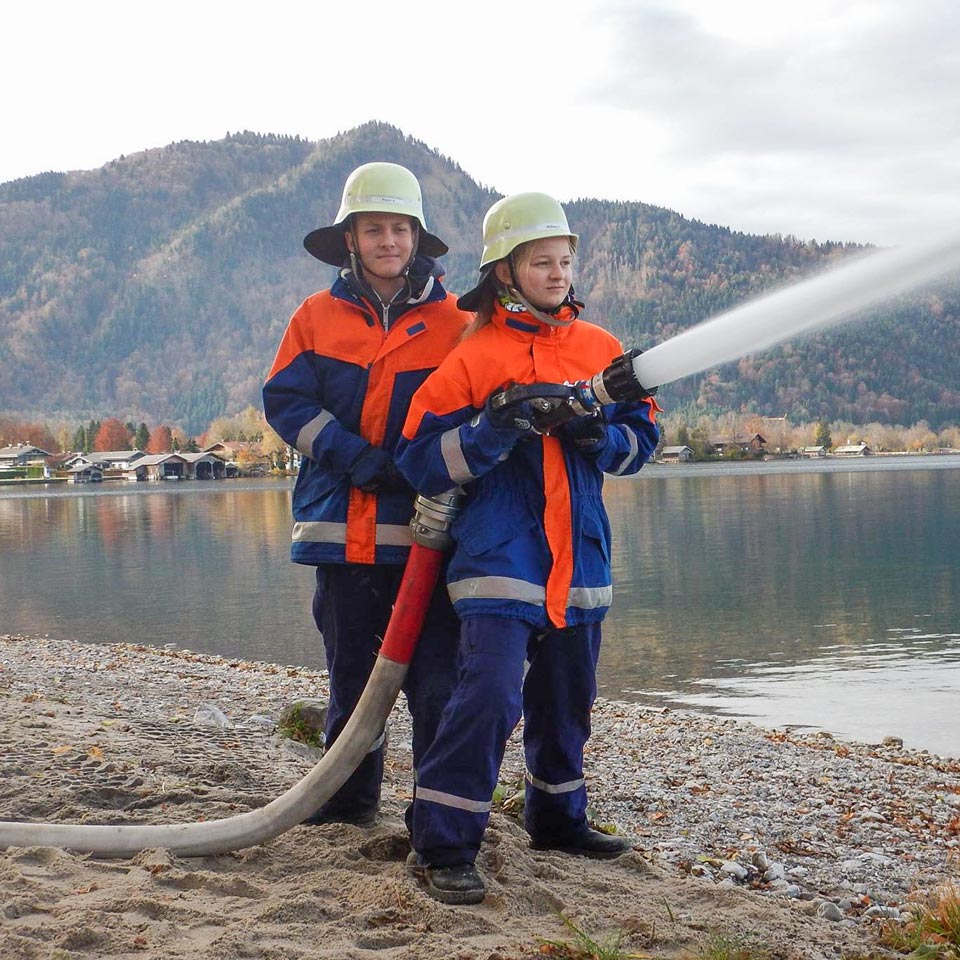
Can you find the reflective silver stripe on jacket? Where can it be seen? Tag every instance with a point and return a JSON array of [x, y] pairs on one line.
[[509, 588], [567, 787], [387, 534], [497, 588], [310, 431], [453, 458], [451, 800], [634, 450], [589, 598]]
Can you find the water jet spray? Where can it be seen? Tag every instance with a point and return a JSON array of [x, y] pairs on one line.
[[831, 297]]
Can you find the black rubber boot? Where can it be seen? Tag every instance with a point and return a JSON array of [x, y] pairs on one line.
[[456, 884], [362, 817], [588, 843]]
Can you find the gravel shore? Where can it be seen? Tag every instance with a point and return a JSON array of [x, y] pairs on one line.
[[804, 842]]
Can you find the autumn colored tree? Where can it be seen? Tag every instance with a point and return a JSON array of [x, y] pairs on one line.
[[250, 425], [42, 436], [920, 437], [112, 435], [18, 431], [272, 446], [63, 435], [247, 459], [37, 435], [161, 440]]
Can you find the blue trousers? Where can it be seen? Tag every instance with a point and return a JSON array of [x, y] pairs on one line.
[[351, 608], [458, 772]]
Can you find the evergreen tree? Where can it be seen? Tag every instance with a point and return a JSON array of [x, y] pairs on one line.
[[142, 438], [80, 439], [93, 428], [823, 438]]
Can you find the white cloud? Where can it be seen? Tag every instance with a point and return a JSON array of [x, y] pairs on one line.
[[839, 121], [850, 121]]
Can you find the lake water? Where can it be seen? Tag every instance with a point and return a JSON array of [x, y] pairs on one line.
[[806, 594]]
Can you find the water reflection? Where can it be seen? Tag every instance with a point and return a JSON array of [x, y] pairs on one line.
[[910, 691], [726, 583], [820, 595], [204, 567]]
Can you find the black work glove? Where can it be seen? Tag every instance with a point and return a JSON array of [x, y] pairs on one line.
[[588, 435], [511, 420], [373, 471]]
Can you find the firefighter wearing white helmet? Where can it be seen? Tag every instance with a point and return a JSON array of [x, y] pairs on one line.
[[508, 225], [375, 188], [348, 364], [530, 573]]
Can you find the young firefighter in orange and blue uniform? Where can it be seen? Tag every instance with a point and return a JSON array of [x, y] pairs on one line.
[[349, 362], [530, 571]]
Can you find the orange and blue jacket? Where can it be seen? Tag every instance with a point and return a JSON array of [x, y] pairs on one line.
[[340, 381], [532, 538]]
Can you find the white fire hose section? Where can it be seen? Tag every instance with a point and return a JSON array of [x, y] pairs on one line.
[[210, 837]]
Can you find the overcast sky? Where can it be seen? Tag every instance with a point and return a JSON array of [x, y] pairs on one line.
[[825, 119]]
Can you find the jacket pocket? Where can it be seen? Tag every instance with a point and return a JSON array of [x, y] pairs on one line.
[[596, 527], [490, 522], [317, 491]]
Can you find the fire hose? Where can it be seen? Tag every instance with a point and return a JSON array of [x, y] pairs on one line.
[[429, 527], [833, 296]]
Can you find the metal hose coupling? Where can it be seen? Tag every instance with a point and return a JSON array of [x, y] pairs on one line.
[[617, 383], [432, 517]]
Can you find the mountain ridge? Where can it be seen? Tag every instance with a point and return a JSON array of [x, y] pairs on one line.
[[157, 286]]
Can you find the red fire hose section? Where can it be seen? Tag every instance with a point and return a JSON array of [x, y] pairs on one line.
[[410, 607]]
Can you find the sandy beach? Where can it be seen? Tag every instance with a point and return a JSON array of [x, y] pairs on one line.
[[796, 846]]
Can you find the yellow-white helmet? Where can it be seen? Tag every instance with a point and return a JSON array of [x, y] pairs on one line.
[[374, 188], [519, 219]]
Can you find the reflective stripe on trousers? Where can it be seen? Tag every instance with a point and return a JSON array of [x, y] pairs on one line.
[[459, 771]]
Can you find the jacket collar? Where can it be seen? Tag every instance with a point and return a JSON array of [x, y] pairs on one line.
[[511, 315], [424, 287]]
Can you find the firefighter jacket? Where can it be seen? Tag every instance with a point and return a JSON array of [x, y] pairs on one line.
[[532, 538], [342, 379]]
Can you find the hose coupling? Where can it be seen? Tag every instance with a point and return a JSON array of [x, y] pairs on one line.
[[618, 382], [432, 517]]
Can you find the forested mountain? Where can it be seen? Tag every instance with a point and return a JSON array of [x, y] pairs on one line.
[[157, 287]]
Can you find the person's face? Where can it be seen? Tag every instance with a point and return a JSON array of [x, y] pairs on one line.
[[544, 270], [384, 243]]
